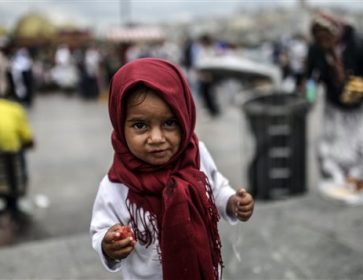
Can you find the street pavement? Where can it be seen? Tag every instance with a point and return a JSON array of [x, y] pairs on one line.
[[301, 237]]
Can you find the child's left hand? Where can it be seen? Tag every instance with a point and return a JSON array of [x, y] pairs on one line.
[[240, 205]]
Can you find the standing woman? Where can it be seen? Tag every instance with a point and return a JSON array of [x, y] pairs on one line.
[[335, 59]]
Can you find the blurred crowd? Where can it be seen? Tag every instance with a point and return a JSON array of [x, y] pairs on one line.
[[87, 69], [330, 54]]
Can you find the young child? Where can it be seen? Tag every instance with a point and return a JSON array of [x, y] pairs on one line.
[[163, 183]]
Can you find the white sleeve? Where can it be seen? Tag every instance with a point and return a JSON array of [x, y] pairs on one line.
[[105, 214], [221, 188]]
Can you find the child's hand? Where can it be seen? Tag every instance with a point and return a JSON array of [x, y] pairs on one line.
[[240, 205], [118, 242]]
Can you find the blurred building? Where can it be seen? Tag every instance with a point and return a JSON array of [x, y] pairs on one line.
[[33, 30], [73, 37]]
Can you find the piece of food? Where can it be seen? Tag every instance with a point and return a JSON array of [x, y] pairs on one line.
[[125, 232], [353, 91]]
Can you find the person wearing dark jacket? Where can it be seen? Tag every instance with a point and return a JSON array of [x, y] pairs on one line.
[[335, 60]]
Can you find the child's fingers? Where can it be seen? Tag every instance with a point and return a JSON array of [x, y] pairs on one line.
[[244, 194], [244, 216], [115, 228], [122, 248], [244, 207], [241, 192], [123, 253], [240, 203], [111, 236], [246, 200], [120, 244]]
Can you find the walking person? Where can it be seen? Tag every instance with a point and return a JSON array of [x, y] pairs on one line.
[[335, 59]]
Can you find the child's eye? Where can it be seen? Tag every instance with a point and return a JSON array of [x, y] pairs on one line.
[[139, 125], [172, 123]]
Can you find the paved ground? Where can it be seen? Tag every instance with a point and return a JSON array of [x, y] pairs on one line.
[[303, 237]]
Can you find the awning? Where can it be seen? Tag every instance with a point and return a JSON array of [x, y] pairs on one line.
[[135, 34], [241, 68]]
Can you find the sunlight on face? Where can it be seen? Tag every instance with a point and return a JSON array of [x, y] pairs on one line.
[[152, 131]]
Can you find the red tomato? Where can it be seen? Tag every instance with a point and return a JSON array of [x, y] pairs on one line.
[[126, 231]]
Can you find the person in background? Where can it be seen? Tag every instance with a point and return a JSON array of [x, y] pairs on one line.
[[64, 72], [21, 77], [297, 49], [203, 49], [4, 68], [15, 136], [335, 59], [91, 75], [163, 184]]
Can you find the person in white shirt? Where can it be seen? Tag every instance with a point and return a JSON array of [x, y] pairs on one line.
[[163, 184]]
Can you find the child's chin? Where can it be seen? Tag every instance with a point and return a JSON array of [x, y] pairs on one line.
[[158, 161]]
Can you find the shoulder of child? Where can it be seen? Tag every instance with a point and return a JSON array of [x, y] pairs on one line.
[[202, 146]]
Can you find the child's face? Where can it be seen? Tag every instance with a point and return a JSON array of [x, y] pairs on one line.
[[152, 131]]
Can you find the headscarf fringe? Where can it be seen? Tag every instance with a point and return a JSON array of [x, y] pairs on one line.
[[144, 219], [215, 241]]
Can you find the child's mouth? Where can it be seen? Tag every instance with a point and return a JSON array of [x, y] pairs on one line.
[[159, 153]]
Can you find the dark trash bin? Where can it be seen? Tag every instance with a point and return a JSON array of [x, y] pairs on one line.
[[278, 124]]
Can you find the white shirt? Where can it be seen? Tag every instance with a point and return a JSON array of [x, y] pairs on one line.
[[110, 209]]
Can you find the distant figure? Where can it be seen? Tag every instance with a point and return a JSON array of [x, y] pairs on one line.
[[204, 49], [280, 57], [187, 59], [335, 59], [156, 212], [63, 55], [187, 62], [90, 75], [65, 73], [21, 77], [4, 68], [15, 137], [297, 49]]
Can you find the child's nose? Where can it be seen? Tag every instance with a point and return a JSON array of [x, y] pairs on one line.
[[156, 135]]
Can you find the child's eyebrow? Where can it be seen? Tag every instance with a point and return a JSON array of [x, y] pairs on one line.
[[133, 119]]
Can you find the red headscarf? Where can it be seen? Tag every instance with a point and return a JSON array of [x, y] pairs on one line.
[[173, 203]]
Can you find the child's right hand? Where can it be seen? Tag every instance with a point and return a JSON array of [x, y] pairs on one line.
[[116, 245]]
